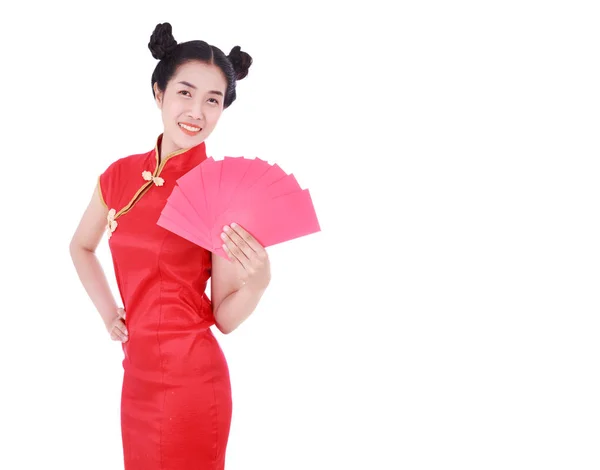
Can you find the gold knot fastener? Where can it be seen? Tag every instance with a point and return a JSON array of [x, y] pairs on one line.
[[111, 222], [158, 181]]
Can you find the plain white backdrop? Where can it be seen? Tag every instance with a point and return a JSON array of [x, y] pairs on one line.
[[446, 316]]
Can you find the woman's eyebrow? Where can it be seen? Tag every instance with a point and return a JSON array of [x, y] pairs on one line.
[[188, 84]]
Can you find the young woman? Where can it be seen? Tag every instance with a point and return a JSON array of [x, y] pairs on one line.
[[176, 397]]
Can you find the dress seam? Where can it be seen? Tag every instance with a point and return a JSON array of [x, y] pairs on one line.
[[160, 351], [216, 422], [215, 401]]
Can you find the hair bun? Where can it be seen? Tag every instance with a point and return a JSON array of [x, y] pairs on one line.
[[241, 62], [162, 43]]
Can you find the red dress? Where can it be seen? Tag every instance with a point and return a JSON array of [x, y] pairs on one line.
[[176, 397]]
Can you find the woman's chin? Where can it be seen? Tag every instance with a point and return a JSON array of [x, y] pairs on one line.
[[185, 141]]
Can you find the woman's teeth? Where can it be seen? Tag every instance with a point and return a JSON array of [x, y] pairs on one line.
[[190, 128]]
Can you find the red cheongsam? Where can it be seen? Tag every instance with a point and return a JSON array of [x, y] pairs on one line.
[[176, 397]]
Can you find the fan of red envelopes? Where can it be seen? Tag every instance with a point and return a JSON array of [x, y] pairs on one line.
[[260, 197]]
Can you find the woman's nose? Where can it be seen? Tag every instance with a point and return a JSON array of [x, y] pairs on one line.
[[196, 113]]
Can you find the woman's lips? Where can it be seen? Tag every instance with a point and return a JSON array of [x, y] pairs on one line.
[[189, 129]]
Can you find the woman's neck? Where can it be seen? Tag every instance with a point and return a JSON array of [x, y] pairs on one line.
[[166, 147]]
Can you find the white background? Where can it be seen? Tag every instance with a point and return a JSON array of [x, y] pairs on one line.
[[446, 316]]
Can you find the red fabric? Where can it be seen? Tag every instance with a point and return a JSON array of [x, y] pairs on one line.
[[176, 397]]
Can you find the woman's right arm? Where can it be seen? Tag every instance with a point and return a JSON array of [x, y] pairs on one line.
[[83, 253]]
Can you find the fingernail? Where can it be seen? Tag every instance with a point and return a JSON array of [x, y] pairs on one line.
[[234, 224]]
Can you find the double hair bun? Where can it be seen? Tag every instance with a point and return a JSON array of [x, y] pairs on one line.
[[162, 44]]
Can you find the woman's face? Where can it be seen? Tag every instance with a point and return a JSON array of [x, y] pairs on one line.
[[194, 99]]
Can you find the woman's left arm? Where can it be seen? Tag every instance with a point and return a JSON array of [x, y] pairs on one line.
[[238, 284]]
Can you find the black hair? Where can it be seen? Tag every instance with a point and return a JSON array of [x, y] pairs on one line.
[[171, 55]]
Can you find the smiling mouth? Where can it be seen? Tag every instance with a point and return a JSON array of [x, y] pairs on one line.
[[191, 129]]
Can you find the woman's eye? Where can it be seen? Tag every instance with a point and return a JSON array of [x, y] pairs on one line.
[[215, 100], [184, 91]]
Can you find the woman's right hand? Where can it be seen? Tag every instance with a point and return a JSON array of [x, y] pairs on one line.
[[117, 329]]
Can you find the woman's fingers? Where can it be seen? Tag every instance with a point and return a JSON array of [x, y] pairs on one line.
[[119, 331], [236, 245], [243, 237], [118, 337]]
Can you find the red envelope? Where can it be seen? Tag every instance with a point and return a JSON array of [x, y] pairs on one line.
[[258, 196]]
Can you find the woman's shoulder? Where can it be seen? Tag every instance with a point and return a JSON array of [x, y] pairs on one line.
[[126, 163], [113, 181]]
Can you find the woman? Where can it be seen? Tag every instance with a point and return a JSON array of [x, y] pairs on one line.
[[176, 396]]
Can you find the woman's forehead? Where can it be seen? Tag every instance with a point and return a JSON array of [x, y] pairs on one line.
[[200, 75]]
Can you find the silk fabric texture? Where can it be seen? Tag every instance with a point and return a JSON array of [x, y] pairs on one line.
[[176, 395]]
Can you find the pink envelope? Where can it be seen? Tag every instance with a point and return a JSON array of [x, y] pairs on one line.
[[260, 197], [194, 212], [233, 171], [287, 217], [165, 222]]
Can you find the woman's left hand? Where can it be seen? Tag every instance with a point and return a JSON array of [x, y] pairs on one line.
[[243, 249]]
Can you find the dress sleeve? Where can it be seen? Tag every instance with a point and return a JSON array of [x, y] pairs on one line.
[[107, 182]]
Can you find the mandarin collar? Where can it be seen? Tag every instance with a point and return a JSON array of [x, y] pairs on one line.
[[181, 160]]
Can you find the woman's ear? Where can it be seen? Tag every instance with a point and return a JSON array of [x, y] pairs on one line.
[[158, 96]]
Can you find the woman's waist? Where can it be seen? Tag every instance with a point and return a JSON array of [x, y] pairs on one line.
[[172, 324], [158, 296], [169, 310]]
